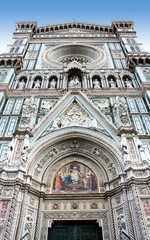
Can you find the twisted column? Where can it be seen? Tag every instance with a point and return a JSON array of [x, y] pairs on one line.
[[128, 215], [37, 227], [11, 218], [20, 222], [111, 218], [139, 213]]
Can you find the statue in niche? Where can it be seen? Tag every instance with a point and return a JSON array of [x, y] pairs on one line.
[[112, 83], [128, 83], [121, 223], [52, 84], [21, 84], [124, 148], [139, 146], [37, 84], [96, 84], [74, 81], [24, 156], [75, 177], [8, 155]]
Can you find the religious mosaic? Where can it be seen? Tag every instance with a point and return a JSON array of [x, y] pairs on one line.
[[75, 177]]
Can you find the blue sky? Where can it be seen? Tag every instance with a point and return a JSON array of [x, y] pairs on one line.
[[56, 11]]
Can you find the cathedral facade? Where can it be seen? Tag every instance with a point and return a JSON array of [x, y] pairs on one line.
[[75, 133]]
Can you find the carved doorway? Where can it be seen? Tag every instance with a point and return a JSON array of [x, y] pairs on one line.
[[75, 230]]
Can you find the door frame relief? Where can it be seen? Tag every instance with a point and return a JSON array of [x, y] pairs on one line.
[[100, 217]]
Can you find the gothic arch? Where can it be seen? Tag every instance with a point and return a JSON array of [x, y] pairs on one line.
[[47, 154]]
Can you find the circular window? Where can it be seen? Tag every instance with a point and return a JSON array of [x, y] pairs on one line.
[[79, 53]]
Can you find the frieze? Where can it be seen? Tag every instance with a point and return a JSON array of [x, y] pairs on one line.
[[74, 205]]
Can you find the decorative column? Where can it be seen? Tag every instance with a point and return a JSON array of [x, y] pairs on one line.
[[9, 232], [23, 208], [139, 213], [39, 213], [111, 218], [128, 215]]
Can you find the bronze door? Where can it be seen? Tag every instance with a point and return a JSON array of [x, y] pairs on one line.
[[81, 230]]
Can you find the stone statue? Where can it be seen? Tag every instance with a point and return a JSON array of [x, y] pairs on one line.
[[37, 84], [139, 145], [21, 84], [121, 222], [24, 156], [52, 84], [124, 148], [112, 83], [96, 84], [8, 155], [128, 83], [74, 81]]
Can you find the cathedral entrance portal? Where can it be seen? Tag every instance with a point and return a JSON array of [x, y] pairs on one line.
[[75, 230]]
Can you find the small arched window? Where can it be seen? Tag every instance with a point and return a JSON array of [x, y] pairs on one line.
[[16, 50], [137, 49], [133, 41], [128, 40], [21, 42], [16, 42], [132, 49], [11, 50]]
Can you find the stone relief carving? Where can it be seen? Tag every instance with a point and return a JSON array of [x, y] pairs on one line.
[[2, 223], [121, 111], [47, 216], [28, 112], [47, 104], [103, 104], [76, 145], [75, 116]]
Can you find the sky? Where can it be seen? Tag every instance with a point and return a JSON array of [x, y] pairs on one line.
[[57, 11]]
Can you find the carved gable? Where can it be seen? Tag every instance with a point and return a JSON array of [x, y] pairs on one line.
[[75, 110]]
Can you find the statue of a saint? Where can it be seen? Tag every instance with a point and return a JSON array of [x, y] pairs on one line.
[[8, 155], [96, 83], [128, 83], [37, 84], [21, 84], [24, 156], [112, 83], [74, 81], [52, 84]]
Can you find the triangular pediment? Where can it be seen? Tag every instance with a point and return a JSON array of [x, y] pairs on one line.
[[75, 109]]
